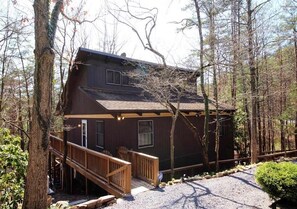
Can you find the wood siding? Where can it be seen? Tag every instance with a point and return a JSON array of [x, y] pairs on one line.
[[125, 133], [96, 75]]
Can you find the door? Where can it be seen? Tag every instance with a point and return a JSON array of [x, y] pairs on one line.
[[84, 133]]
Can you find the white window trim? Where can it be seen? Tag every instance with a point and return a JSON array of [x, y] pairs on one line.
[[86, 125], [153, 138], [116, 84], [102, 147]]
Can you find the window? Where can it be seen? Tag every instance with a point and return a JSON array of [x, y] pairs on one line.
[[145, 133], [113, 77], [100, 134]]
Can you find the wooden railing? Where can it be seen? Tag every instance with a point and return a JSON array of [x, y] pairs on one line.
[[271, 156], [267, 157], [109, 172], [144, 167]]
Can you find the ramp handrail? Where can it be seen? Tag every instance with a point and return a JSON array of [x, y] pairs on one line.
[[144, 167], [113, 171]]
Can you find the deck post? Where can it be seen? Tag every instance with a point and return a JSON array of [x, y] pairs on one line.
[[86, 160], [87, 186], [67, 175], [156, 172], [50, 165], [128, 179], [62, 177], [134, 164], [107, 170], [71, 180]]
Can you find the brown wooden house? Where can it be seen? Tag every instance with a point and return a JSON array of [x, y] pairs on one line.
[[105, 112]]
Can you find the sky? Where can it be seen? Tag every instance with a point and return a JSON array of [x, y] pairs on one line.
[[175, 46]]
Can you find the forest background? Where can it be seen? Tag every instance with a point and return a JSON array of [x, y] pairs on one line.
[[250, 57]]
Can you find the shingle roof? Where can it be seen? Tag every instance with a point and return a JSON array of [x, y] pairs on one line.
[[138, 102]]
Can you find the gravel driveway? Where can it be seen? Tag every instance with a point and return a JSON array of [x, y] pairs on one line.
[[238, 190]]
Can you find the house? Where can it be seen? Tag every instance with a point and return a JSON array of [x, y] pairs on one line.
[[105, 111]]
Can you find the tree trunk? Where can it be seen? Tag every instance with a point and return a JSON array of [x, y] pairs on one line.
[[260, 142], [235, 48], [205, 138], [196, 135], [254, 154], [295, 50], [3, 76], [36, 179], [20, 118], [282, 134], [212, 40], [269, 105], [172, 130], [27, 95], [175, 112], [296, 130], [264, 147]]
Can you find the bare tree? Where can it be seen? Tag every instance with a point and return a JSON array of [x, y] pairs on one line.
[[291, 25], [212, 39], [167, 86], [205, 138]]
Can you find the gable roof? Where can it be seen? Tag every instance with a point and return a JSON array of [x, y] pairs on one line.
[[120, 101], [83, 54]]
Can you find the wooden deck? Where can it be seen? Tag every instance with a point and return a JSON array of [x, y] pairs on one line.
[[112, 174], [138, 186]]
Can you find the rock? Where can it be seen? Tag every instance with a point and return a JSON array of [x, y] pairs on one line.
[[82, 206], [170, 183], [62, 204], [220, 174], [105, 199], [162, 184], [89, 204], [112, 202], [225, 173], [177, 181]]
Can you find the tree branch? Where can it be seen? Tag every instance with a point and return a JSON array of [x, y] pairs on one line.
[[16, 126]]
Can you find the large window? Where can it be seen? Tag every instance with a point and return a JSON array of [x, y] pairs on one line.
[[100, 134], [113, 77], [145, 133]]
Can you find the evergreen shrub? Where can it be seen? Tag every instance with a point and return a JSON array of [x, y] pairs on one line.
[[279, 180], [13, 163]]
